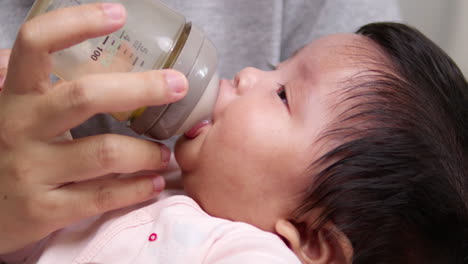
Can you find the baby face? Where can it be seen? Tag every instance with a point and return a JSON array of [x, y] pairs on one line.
[[248, 164]]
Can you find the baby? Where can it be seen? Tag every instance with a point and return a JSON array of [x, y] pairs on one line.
[[355, 150]]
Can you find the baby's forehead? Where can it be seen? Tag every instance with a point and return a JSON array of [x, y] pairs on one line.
[[342, 51], [333, 66]]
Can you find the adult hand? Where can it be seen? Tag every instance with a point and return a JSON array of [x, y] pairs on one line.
[[4, 58], [46, 184]]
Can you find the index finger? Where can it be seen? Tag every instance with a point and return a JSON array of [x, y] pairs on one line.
[[41, 36]]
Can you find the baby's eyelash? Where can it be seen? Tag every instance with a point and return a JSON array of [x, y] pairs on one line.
[[282, 94]]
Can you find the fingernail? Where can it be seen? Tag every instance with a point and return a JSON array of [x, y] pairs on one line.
[[165, 155], [114, 11], [2, 82], [159, 183], [176, 82]]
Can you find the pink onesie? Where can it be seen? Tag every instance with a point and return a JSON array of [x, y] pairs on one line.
[[172, 230]]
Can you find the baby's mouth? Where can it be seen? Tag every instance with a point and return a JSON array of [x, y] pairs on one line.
[[197, 129]]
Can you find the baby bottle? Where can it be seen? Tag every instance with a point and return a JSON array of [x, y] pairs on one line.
[[154, 37]]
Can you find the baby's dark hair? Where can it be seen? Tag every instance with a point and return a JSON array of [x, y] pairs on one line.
[[396, 184]]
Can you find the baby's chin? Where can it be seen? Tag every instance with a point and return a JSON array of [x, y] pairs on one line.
[[187, 152]]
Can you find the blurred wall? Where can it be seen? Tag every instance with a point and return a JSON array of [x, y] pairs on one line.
[[445, 22]]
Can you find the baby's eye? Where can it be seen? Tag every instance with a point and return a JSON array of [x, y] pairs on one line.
[[282, 94]]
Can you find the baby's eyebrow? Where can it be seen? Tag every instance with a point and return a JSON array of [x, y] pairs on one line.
[[273, 66]]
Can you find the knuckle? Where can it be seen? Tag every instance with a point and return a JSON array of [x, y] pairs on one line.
[[27, 34], [41, 208], [108, 152], [32, 209], [12, 129], [21, 171], [94, 11], [103, 199], [143, 188], [78, 96], [7, 134], [155, 86]]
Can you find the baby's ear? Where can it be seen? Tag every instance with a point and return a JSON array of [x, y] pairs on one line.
[[326, 245]]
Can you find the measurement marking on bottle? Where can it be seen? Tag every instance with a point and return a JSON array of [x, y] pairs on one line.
[[113, 42], [137, 45], [124, 36], [140, 47], [135, 61], [142, 63], [118, 48], [104, 43], [96, 54]]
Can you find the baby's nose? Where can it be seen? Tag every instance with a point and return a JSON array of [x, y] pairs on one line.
[[245, 79]]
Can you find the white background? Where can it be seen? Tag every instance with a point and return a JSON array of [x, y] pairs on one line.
[[445, 22]]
